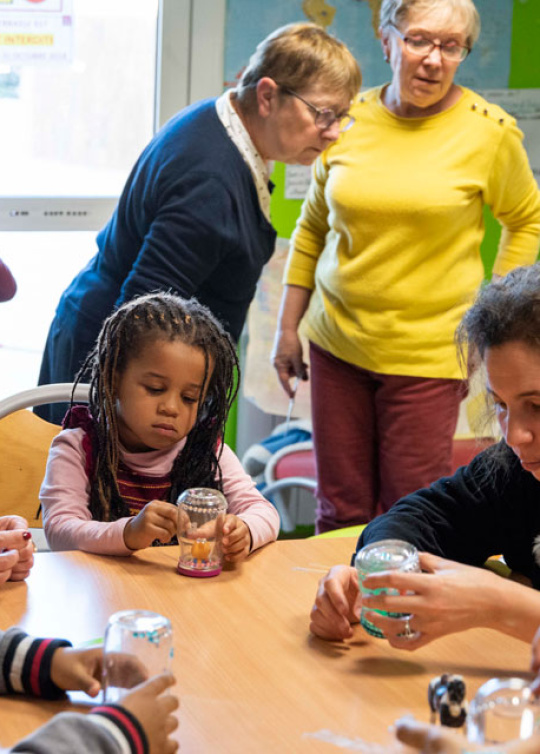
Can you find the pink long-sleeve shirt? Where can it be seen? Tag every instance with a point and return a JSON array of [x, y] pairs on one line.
[[65, 495]]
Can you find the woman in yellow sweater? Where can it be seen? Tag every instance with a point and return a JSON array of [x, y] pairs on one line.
[[385, 260]]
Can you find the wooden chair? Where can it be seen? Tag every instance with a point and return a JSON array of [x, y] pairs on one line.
[[25, 440]]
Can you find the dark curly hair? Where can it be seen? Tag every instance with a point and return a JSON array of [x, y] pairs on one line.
[[506, 310]]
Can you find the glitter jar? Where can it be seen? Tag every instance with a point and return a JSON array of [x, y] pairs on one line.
[[385, 555], [138, 644], [201, 514]]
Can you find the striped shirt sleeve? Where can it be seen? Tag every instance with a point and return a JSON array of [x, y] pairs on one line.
[[25, 664], [111, 731], [124, 726]]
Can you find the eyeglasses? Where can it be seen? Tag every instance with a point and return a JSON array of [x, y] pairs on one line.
[[326, 117], [423, 47]]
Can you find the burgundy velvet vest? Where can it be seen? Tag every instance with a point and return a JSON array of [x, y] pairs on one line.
[[136, 489]]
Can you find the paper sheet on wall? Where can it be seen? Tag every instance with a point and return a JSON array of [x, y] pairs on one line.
[[36, 34], [260, 382], [297, 180]]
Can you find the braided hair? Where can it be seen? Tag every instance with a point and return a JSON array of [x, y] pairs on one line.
[[124, 335]]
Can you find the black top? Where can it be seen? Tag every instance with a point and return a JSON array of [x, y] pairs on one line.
[[490, 507]]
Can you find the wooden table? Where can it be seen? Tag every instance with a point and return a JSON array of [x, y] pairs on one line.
[[250, 676]]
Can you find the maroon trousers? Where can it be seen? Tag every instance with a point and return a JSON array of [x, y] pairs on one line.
[[377, 437]]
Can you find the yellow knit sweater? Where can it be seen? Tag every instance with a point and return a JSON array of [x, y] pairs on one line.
[[390, 232]]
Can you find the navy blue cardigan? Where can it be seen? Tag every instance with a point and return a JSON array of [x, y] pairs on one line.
[[188, 220]]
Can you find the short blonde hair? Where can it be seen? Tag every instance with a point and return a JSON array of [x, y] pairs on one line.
[[297, 56], [395, 12]]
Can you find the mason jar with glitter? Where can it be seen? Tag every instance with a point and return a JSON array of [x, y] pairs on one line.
[[201, 514], [138, 644], [385, 555]]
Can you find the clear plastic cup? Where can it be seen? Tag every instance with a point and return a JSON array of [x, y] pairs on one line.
[[201, 514], [138, 644], [385, 555], [504, 709]]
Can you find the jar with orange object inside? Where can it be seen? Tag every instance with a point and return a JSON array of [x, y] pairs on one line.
[[201, 513]]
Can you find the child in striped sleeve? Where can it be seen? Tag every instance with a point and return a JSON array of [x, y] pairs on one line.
[[46, 668]]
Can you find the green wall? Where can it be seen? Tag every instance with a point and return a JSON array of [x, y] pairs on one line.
[[284, 211], [524, 74], [525, 56]]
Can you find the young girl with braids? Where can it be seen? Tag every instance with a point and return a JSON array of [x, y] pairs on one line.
[[163, 378]]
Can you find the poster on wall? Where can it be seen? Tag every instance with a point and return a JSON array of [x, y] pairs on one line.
[[36, 32]]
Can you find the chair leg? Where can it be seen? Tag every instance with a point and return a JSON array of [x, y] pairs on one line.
[[283, 510], [273, 489]]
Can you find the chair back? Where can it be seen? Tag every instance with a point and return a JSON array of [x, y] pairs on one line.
[[25, 440], [290, 469], [59, 392]]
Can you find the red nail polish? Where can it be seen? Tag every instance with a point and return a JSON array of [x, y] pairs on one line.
[[26, 535], [6, 549]]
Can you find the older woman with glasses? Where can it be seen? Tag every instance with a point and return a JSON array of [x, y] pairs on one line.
[[194, 215], [385, 260]]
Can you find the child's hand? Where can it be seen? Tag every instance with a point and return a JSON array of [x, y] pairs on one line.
[[157, 520], [231, 531], [154, 709], [183, 522], [82, 669], [78, 669], [16, 553], [236, 539], [429, 739], [435, 739], [124, 670]]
